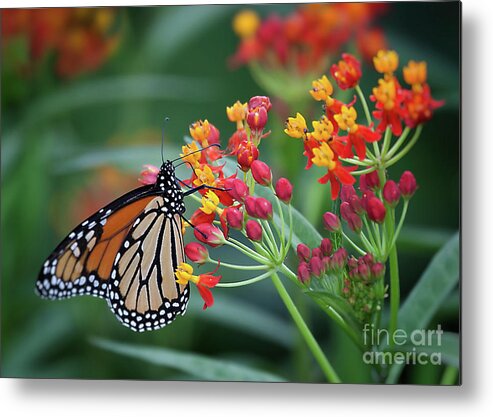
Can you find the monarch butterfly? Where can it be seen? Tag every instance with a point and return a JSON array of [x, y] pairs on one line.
[[127, 253]]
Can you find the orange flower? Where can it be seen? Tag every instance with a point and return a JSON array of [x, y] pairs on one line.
[[346, 72]]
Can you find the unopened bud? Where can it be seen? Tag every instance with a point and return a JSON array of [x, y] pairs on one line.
[[261, 172], [303, 272], [407, 184], [234, 217], [303, 252], [316, 266], [263, 208], [326, 246], [376, 210], [284, 190], [196, 252], [253, 230], [209, 234], [372, 180], [237, 189], [331, 222], [391, 193]]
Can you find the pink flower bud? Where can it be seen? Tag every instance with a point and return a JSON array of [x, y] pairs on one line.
[[316, 266], [326, 246], [317, 253], [364, 271], [346, 192], [407, 184], [260, 101], [284, 190], [391, 193], [331, 222], [353, 220], [355, 203], [371, 180], [338, 259], [250, 206], [237, 189], [303, 272], [196, 252], [234, 217], [209, 234], [367, 194], [253, 230], [213, 134], [261, 172], [247, 153], [377, 270], [376, 210], [149, 174], [303, 252], [367, 258], [257, 118], [263, 208]]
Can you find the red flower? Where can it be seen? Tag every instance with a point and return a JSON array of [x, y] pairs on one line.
[[388, 96], [337, 176], [358, 140], [346, 72], [419, 106]]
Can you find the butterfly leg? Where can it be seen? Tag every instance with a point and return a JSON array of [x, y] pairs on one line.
[[202, 187], [193, 226]]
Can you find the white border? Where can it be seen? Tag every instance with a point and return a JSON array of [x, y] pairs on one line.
[[127, 398]]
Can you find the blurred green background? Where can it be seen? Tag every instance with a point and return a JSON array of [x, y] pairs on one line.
[[71, 144]]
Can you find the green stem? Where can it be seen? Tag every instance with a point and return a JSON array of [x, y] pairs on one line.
[[386, 141], [401, 222], [449, 376], [363, 163], [364, 104], [354, 245], [247, 251], [241, 267], [394, 293], [363, 171], [398, 143], [245, 282], [406, 149], [312, 343]]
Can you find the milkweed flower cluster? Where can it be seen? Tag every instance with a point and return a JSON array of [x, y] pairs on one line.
[[229, 202], [81, 39], [306, 38], [243, 205], [340, 144]]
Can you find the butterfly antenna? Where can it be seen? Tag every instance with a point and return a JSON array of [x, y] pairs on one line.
[[217, 145], [166, 120]]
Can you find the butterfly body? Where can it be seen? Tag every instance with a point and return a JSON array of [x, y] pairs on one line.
[[127, 253]]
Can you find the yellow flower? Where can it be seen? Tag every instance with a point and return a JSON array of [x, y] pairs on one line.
[[296, 126], [237, 113], [246, 23], [322, 89], [386, 62], [347, 119], [210, 202], [415, 74], [189, 155], [322, 129], [184, 273], [200, 131], [204, 176], [385, 93], [324, 157]]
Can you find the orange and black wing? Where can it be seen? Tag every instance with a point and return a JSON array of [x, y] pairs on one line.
[[143, 292], [83, 261]]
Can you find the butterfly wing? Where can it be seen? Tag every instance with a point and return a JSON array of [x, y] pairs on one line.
[[81, 264], [143, 292]]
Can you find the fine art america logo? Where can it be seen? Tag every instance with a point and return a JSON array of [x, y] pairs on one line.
[[409, 348]]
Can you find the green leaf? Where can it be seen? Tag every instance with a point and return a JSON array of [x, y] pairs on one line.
[[108, 90], [422, 239], [175, 27], [448, 348], [436, 283], [199, 366], [247, 317]]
